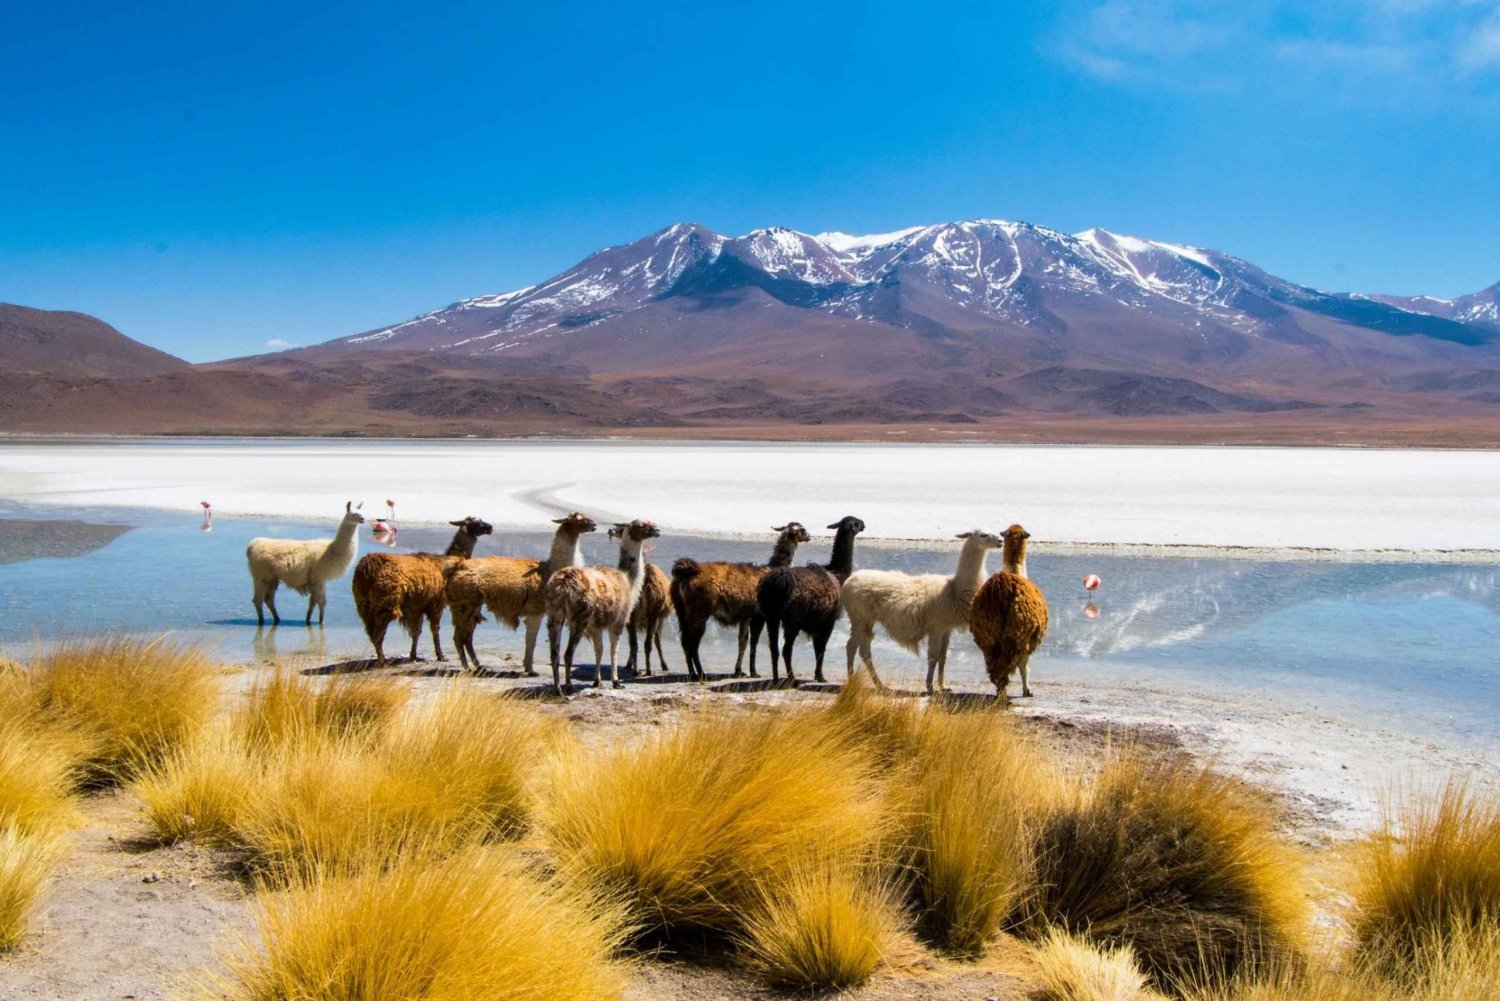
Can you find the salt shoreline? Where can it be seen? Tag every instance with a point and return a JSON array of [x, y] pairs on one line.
[[1365, 505]]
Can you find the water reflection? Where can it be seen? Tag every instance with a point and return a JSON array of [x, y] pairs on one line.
[[296, 642]]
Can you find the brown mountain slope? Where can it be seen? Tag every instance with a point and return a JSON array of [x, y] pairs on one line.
[[57, 343]]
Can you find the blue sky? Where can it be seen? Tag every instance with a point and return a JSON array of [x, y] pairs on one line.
[[216, 178]]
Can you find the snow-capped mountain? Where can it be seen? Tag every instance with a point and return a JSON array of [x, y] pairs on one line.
[[1481, 307], [991, 297]]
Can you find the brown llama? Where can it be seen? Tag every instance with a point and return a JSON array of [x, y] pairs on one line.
[[725, 592], [410, 587], [594, 600], [511, 588], [1009, 617]]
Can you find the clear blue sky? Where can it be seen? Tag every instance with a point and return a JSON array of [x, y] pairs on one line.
[[211, 178]]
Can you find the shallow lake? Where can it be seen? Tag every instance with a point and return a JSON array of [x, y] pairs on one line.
[[1414, 645]]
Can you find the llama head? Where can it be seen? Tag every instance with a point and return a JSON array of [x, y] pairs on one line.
[[637, 531], [473, 527], [793, 532], [351, 513], [576, 523], [983, 539], [849, 524], [1015, 543]]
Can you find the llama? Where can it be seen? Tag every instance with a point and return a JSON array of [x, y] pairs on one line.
[[911, 608], [806, 599], [649, 616], [592, 600], [409, 587], [725, 592], [511, 588], [1009, 617], [304, 565]]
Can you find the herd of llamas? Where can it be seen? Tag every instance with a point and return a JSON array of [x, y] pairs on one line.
[[1004, 612]]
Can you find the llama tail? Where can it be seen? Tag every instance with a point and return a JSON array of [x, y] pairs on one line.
[[686, 568]]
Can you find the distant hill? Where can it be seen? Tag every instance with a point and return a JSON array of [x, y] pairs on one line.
[[983, 329], [57, 343]]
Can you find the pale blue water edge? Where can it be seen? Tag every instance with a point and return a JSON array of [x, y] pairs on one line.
[[1414, 646]]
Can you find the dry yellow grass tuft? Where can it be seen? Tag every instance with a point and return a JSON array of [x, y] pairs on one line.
[[691, 828], [26, 860], [201, 791], [472, 926], [1071, 968], [38, 772], [131, 702], [821, 925], [1176, 861], [978, 792], [1433, 874], [287, 708]]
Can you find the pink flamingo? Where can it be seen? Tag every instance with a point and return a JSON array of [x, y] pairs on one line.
[[208, 516], [1091, 582], [390, 508]]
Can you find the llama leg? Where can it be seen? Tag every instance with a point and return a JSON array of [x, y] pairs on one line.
[[435, 619], [756, 625], [575, 635], [271, 601], [614, 667], [820, 644], [312, 602], [943, 663], [377, 637], [691, 637], [773, 633], [320, 595], [635, 651], [597, 638], [533, 626], [934, 654], [554, 631], [661, 658], [739, 657], [258, 596], [414, 620], [1025, 676], [787, 642], [867, 657], [459, 636]]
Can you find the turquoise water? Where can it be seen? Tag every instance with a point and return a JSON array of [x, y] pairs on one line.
[[1414, 643]]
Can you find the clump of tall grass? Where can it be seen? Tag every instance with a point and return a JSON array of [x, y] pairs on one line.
[[690, 829], [1071, 968], [976, 793], [201, 791], [130, 702], [1431, 875], [1178, 862], [453, 773], [821, 924], [26, 860], [38, 772], [472, 926], [286, 708]]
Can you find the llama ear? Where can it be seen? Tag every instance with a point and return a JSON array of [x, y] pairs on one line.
[[348, 506], [963, 535], [778, 528], [359, 505], [559, 521], [459, 524]]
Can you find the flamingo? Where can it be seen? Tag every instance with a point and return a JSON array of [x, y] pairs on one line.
[[208, 516], [390, 508], [1091, 582]]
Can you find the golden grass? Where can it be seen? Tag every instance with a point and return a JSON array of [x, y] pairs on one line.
[[132, 702], [201, 791], [38, 772], [473, 926], [26, 860], [689, 829], [1176, 861], [821, 925], [287, 708], [1432, 873], [1071, 968], [977, 792]]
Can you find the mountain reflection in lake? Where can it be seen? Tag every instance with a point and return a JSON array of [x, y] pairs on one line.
[[1414, 641]]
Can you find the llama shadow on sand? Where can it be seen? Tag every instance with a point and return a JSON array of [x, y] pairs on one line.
[[746, 685], [360, 665], [965, 700]]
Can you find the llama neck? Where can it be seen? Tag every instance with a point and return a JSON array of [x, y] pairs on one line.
[[786, 548], [841, 565], [462, 545], [1015, 558], [634, 566], [970, 572], [566, 552], [345, 541]]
